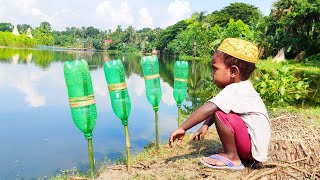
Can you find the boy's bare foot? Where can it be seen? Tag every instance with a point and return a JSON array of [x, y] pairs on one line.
[[215, 162]]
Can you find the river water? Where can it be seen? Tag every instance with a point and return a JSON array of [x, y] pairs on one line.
[[39, 138]]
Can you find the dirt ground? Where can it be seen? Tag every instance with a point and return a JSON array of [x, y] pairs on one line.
[[294, 154]]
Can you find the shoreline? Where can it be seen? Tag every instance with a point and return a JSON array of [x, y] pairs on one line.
[[182, 162]]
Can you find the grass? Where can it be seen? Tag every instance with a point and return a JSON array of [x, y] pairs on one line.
[[179, 162], [182, 162]]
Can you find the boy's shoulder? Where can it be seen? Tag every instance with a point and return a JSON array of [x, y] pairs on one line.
[[241, 84]]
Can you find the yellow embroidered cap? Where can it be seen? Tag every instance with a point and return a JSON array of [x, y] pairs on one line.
[[240, 49]]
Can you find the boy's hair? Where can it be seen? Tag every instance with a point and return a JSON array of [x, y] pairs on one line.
[[246, 68]]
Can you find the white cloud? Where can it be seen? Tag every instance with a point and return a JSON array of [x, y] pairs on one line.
[[178, 10], [145, 20], [22, 11], [23, 6], [27, 87], [167, 94], [65, 18], [2, 10], [35, 12], [108, 13], [137, 84]]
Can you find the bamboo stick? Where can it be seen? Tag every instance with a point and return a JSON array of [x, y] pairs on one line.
[[91, 161], [157, 129], [126, 130]]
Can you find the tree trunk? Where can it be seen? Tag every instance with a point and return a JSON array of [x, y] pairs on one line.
[[300, 56]]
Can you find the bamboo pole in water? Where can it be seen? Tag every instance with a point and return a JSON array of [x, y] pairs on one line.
[[91, 161], [126, 129], [179, 116], [157, 131]]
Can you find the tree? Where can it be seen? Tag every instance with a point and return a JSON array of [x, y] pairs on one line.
[[23, 28], [6, 27], [169, 34], [295, 26], [236, 11], [92, 32], [43, 34]]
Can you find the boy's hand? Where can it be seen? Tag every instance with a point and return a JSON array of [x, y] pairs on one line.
[[200, 133], [177, 134]]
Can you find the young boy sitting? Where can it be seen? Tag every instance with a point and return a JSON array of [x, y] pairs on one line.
[[239, 114]]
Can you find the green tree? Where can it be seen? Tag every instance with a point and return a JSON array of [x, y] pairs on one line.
[[43, 34], [6, 27], [23, 28], [295, 25], [169, 34], [236, 11]]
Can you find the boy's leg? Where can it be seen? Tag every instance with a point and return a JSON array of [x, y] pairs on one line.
[[234, 138]]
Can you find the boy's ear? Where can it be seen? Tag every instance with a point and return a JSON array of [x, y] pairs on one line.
[[234, 70]]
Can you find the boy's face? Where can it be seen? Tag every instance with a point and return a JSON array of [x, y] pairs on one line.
[[220, 73]]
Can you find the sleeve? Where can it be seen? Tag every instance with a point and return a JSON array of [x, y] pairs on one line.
[[223, 100]]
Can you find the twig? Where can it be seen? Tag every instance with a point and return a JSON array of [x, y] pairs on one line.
[[290, 174], [302, 159], [144, 165], [117, 167], [259, 175], [278, 117], [288, 165], [250, 174], [77, 178], [304, 148], [301, 170]]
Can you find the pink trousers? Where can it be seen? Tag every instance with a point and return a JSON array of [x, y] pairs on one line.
[[242, 138]]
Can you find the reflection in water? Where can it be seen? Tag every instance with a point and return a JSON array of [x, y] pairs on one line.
[[28, 88], [40, 137], [15, 59], [29, 58], [36, 116]]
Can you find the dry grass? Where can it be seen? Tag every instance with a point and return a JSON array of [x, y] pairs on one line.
[[294, 154]]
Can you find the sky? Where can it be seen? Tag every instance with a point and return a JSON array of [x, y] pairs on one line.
[[107, 14]]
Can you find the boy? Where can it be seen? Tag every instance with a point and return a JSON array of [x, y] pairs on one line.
[[239, 114]]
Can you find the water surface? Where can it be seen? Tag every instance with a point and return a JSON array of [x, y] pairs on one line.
[[39, 138]]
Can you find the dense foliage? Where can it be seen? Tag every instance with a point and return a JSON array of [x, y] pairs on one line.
[[292, 24], [8, 39]]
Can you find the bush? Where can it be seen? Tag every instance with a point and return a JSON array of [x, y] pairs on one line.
[[9, 39], [282, 89]]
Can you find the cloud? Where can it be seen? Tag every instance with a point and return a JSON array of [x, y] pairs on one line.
[[2, 9], [145, 20], [178, 10], [35, 12], [136, 83], [65, 18], [109, 13], [22, 11], [167, 94], [27, 87]]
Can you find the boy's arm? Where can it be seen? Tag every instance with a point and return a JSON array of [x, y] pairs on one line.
[[209, 121], [201, 114]]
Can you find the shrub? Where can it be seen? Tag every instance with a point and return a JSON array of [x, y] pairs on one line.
[[283, 88]]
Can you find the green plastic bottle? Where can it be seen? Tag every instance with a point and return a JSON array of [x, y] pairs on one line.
[[120, 100], [81, 101], [81, 95], [181, 70], [150, 68]]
